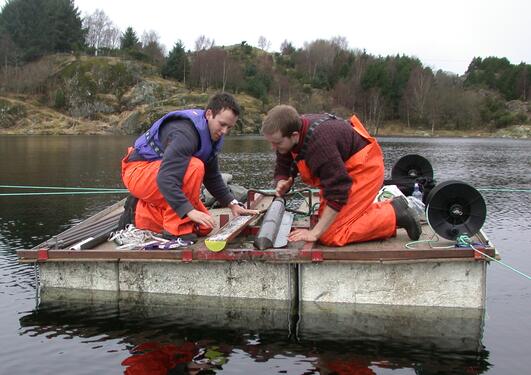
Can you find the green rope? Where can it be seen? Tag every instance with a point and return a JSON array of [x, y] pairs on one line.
[[506, 190], [121, 191], [315, 207], [464, 240], [409, 245], [59, 188], [73, 190]]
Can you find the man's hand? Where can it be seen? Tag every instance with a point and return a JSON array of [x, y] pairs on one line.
[[238, 210], [283, 187], [327, 217], [201, 218], [302, 235]]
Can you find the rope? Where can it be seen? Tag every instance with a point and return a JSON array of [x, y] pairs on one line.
[[117, 191], [465, 241], [430, 241], [264, 191], [73, 190], [59, 188], [506, 190]]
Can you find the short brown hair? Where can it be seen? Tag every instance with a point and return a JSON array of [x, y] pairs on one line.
[[221, 101], [284, 118]]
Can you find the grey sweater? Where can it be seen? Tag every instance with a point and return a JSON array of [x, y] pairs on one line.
[[180, 141]]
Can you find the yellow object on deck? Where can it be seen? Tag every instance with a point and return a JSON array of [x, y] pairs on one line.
[[228, 232], [215, 245]]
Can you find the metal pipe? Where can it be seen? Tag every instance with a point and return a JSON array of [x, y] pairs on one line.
[[102, 232], [271, 223], [77, 233], [91, 224]]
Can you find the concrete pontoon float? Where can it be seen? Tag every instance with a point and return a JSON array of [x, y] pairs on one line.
[[376, 272]]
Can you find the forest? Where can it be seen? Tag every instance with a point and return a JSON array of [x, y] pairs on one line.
[[322, 75]]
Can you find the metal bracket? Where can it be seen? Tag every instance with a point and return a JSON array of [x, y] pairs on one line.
[[42, 255], [317, 256], [186, 256]]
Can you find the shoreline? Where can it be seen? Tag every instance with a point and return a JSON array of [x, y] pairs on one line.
[[389, 129]]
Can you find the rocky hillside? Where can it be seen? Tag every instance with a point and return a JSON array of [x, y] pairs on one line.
[[78, 94], [100, 95]]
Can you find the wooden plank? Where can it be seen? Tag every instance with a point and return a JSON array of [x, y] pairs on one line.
[[305, 254], [218, 241]]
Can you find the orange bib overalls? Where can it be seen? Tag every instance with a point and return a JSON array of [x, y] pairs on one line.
[[153, 211], [359, 219]]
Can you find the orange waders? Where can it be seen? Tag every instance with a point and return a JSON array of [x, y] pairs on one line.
[[153, 211], [359, 219]]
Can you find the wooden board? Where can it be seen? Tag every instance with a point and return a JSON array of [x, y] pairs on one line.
[[218, 241]]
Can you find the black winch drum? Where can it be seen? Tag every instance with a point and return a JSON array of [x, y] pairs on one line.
[[411, 167], [455, 208]]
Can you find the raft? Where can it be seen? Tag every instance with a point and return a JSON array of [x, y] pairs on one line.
[[376, 273]]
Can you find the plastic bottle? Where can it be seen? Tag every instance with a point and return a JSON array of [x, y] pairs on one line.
[[416, 192], [415, 202]]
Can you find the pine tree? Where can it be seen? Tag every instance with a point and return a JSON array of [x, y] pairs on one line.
[[38, 27], [129, 40], [67, 33], [177, 65]]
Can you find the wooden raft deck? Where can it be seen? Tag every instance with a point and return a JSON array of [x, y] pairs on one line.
[[241, 248]]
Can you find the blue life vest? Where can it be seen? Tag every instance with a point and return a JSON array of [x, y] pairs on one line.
[[149, 147]]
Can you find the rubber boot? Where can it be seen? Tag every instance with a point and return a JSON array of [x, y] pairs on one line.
[[406, 217], [128, 216]]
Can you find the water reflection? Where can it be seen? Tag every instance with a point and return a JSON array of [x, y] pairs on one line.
[[196, 334]]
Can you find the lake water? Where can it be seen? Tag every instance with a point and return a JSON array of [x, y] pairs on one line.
[[107, 336]]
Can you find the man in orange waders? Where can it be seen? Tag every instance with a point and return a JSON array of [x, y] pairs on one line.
[[168, 163], [346, 164]]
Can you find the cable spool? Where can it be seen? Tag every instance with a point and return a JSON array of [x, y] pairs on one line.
[[455, 208], [411, 167]]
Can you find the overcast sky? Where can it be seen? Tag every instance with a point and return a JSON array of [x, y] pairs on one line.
[[444, 34]]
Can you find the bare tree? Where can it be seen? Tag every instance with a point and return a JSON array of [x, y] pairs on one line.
[[9, 54], [263, 43], [522, 82], [234, 75], [376, 108], [347, 91], [210, 68], [340, 42], [286, 48], [101, 31], [112, 38], [149, 36], [30, 78], [203, 43], [319, 54], [417, 90], [283, 88], [152, 48]]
